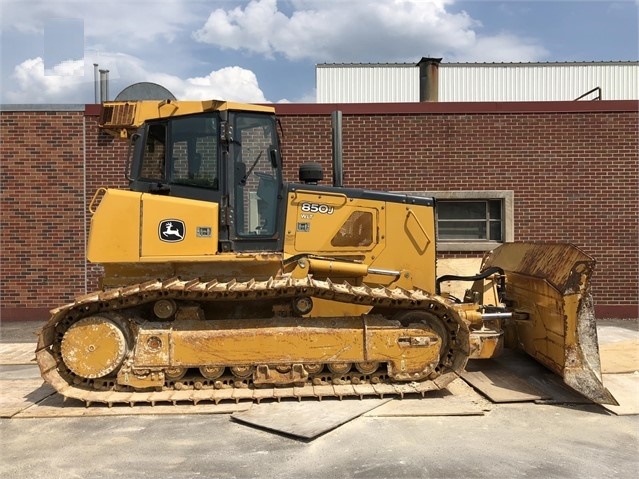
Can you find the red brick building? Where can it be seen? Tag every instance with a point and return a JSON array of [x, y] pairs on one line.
[[569, 171]]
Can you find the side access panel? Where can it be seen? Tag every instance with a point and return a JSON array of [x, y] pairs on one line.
[[129, 227]]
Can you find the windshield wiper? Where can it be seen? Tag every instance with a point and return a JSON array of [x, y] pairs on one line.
[[250, 170]]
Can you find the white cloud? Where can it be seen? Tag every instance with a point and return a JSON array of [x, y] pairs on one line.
[[359, 31], [110, 21], [179, 44], [503, 47], [229, 83], [34, 86], [155, 35], [70, 81], [73, 81], [253, 28]]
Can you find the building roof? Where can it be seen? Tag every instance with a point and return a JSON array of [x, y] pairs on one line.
[[472, 81]]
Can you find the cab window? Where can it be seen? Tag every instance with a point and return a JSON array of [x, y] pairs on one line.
[[255, 176], [194, 151]]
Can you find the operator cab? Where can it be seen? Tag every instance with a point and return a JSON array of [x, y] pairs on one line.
[[228, 157]]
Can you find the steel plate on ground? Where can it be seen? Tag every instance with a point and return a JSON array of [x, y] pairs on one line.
[[542, 381], [306, 419], [17, 395], [620, 356], [505, 379], [20, 371], [17, 353], [625, 389], [458, 399], [56, 406]]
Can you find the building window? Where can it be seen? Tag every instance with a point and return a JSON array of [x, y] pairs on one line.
[[469, 220], [472, 220]]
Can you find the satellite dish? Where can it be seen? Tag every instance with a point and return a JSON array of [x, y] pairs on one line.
[[144, 91]]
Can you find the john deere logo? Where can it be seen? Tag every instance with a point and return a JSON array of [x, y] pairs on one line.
[[171, 231]]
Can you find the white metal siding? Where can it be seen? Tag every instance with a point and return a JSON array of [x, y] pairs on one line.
[[399, 82], [374, 83], [537, 82]]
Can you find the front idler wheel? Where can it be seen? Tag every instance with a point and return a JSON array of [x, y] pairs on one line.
[[94, 347]]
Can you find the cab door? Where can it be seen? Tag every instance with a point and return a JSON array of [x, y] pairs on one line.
[[255, 183]]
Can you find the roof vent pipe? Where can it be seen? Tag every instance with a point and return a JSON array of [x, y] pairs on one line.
[[104, 86], [429, 79], [96, 86]]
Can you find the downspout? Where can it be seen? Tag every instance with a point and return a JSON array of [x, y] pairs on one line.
[[84, 195], [336, 124]]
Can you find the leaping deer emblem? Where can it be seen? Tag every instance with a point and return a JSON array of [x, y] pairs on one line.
[[170, 231]]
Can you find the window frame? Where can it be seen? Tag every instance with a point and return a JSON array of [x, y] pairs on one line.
[[191, 141], [505, 196], [247, 189]]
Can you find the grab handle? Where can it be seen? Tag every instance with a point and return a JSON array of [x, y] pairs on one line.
[[92, 205]]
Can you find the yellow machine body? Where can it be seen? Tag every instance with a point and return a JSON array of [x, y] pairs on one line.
[[121, 118], [250, 287], [367, 233]]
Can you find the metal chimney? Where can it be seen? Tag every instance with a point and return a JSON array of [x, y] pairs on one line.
[[96, 87], [104, 86], [429, 79]]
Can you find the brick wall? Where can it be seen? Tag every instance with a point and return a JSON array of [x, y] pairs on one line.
[[573, 167], [42, 205]]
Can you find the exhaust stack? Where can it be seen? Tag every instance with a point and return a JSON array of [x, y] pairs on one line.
[[429, 79]]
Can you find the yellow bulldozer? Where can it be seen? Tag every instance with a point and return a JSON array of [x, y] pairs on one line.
[[223, 282]]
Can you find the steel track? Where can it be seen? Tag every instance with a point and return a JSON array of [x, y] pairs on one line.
[[54, 372]]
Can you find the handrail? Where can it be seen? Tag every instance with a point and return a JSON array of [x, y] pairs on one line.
[[596, 89], [92, 208], [411, 213], [321, 194]]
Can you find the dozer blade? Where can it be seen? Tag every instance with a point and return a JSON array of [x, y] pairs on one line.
[[550, 283]]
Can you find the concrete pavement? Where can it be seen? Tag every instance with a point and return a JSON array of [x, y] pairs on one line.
[[524, 439]]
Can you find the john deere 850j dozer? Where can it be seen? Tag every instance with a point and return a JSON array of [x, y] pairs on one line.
[[221, 281]]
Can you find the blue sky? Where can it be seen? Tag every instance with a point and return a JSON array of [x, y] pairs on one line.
[[266, 50]]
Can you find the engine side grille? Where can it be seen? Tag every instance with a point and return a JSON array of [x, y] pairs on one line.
[[119, 115]]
